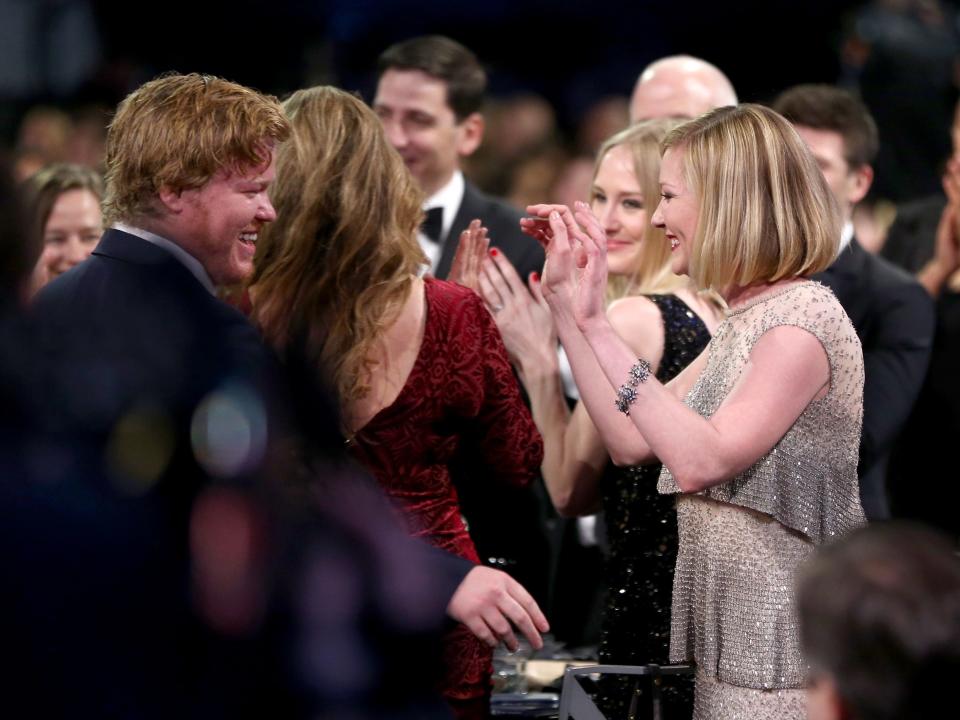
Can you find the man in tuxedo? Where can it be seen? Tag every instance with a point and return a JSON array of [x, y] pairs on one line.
[[187, 420], [679, 86], [892, 313], [428, 97]]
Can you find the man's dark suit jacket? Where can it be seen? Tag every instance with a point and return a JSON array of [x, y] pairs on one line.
[[141, 348], [506, 523], [893, 316]]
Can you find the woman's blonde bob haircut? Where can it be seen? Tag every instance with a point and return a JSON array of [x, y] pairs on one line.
[[652, 273], [766, 212], [178, 131], [338, 263]]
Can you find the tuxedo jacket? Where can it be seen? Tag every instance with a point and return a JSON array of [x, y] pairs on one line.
[[148, 363], [894, 318], [503, 222]]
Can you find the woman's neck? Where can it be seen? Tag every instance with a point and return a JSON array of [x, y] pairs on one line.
[[737, 297]]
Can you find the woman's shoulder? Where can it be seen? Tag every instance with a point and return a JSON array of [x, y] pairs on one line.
[[451, 305], [637, 320], [633, 309], [808, 305], [812, 300], [449, 292]]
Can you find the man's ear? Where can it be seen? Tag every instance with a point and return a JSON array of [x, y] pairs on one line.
[[861, 179], [471, 134], [171, 199]]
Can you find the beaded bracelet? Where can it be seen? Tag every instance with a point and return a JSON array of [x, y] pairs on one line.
[[627, 395]]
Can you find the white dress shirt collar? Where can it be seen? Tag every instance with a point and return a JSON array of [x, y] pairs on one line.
[[846, 236], [449, 197]]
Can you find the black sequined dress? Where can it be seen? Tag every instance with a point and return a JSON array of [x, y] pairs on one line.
[[642, 536]]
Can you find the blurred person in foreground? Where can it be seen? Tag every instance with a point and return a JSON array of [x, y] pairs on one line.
[[418, 367], [880, 620], [758, 436], [64, 202], [188, 428]]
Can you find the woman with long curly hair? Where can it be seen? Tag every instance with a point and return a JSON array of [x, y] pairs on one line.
[[418, 365]]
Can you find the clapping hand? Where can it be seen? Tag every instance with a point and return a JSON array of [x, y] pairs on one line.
[[521, 314], [575, 274], [470, 255]]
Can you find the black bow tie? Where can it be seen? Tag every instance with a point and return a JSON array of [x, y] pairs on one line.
[[432, 225]]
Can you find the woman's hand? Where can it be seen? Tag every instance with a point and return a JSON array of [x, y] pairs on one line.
[[557, 231], [575, 274], [592, 285], [470, 255], [522, 315]]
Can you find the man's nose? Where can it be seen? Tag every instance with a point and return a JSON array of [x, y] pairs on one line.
[[395, 133], [266, 213]]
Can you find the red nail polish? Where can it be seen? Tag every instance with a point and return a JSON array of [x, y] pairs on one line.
[[494, 252], [535, 276]]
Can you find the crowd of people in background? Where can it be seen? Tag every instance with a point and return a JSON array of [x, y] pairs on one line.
[[312, 404]]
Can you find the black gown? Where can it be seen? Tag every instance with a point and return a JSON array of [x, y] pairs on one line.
[[642, 537]]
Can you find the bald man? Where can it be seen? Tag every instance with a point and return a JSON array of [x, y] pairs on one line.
[[679, 86]]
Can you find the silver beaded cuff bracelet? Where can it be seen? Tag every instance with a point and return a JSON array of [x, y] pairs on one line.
[[627, 394]]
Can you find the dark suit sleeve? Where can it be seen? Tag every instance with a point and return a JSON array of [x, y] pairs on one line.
[[895, 356]]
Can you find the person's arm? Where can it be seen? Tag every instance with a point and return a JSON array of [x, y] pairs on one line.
[[787, 369], [503, 431], [574, 453], [526, 327], [622, 442], [491, 604]]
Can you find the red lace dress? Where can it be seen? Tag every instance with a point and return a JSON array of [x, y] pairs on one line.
[[460, 400]]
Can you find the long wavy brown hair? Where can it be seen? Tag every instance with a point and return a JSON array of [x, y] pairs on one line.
[[337, 265]]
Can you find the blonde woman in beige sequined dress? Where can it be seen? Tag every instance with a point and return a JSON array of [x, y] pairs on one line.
[[759, 435]]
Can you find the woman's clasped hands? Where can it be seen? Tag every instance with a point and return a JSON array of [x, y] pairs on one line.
[[575, 273]]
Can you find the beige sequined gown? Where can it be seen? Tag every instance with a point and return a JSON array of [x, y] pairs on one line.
[[742, 541]]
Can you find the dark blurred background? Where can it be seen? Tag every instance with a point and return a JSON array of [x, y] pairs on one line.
[[83, 56]]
